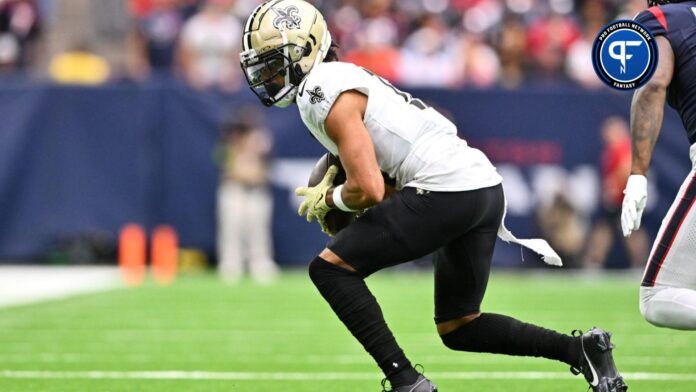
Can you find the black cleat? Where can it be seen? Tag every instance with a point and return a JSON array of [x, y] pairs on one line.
[[597, 362], [422, 384]]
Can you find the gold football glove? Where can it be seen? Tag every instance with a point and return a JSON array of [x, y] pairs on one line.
[[314, 203]]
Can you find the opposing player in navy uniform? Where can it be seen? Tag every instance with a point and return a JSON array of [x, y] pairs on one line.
[[449, 199], [668, 289]]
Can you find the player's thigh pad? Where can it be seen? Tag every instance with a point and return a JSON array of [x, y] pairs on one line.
[[462, 266], [669, 307], [408, 225]]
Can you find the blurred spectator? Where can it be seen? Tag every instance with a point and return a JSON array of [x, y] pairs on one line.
[[480, 16], [154, 41], [627, 9], [616, 167], [431, 43], [376, 39], [482, 67], [548, 41], [209, 47], [140, 8], [579, 61], [10, 53], [511, 45], [344, 22], [79, 66], [560, 225], [19, 26], [244, 200], [431, 56]]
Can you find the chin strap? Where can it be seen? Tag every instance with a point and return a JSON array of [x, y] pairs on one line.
[[288, 98]]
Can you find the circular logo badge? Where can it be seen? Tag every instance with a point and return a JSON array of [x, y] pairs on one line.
[[624, 54]]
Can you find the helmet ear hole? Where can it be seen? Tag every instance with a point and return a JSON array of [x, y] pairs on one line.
[[307, 50]]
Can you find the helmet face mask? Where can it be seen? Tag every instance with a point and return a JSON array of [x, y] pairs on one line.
[[272, 75], [282, 41]]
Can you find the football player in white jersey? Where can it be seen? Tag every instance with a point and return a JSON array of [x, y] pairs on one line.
[[448, 199]]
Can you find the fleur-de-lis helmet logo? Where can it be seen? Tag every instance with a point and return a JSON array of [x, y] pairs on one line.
[[287, 18]]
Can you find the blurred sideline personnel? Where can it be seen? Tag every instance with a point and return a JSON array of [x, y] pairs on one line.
[[668, 289], [560, 224], [616, 167], [449, 199], [244, 202]]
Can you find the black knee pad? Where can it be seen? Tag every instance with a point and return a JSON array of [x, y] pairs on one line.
[[457, 339], [322, 272], [497, 333], [465, 338], [344, 290]]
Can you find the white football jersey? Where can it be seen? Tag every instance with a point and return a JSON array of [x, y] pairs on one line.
[[414, 143]]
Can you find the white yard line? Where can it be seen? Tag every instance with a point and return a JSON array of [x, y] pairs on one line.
[[27, 284], [137, 357], [315, 376]]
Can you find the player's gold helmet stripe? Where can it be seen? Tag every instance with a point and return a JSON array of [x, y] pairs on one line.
[[246, 42]]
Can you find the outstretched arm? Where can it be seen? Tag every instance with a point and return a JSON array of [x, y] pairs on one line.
[[647, 109]]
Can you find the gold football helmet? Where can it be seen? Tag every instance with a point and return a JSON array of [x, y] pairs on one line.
[[282, 41]]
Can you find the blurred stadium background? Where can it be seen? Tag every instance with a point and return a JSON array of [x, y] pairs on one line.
[[129, 112]]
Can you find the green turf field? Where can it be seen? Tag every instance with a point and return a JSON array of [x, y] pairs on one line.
[[200, 335]]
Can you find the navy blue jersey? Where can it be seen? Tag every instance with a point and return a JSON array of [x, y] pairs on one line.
[[677, 23]]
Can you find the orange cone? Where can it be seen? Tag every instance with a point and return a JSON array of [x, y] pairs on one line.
[[164, 254], [131, 254]]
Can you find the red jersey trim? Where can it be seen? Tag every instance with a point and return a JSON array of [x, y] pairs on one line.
[[659, 15]]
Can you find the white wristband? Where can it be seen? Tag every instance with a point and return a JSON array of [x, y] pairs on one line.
[[338, 201]]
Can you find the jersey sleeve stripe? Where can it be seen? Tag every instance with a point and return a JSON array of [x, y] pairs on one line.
[[659, 15]]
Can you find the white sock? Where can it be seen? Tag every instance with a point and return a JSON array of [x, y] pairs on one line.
[[669, 307]]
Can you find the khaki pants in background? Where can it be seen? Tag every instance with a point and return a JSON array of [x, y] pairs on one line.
[[244, 232]]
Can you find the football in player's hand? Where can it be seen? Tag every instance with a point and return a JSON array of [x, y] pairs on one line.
[[335, 219]]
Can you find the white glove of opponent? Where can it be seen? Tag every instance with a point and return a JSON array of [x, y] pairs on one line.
[[314, 203], [635, 197]]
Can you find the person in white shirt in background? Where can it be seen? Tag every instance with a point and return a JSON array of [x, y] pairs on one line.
[[208, 46]]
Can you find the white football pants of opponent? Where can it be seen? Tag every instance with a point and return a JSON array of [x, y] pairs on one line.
[[668, 289]]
